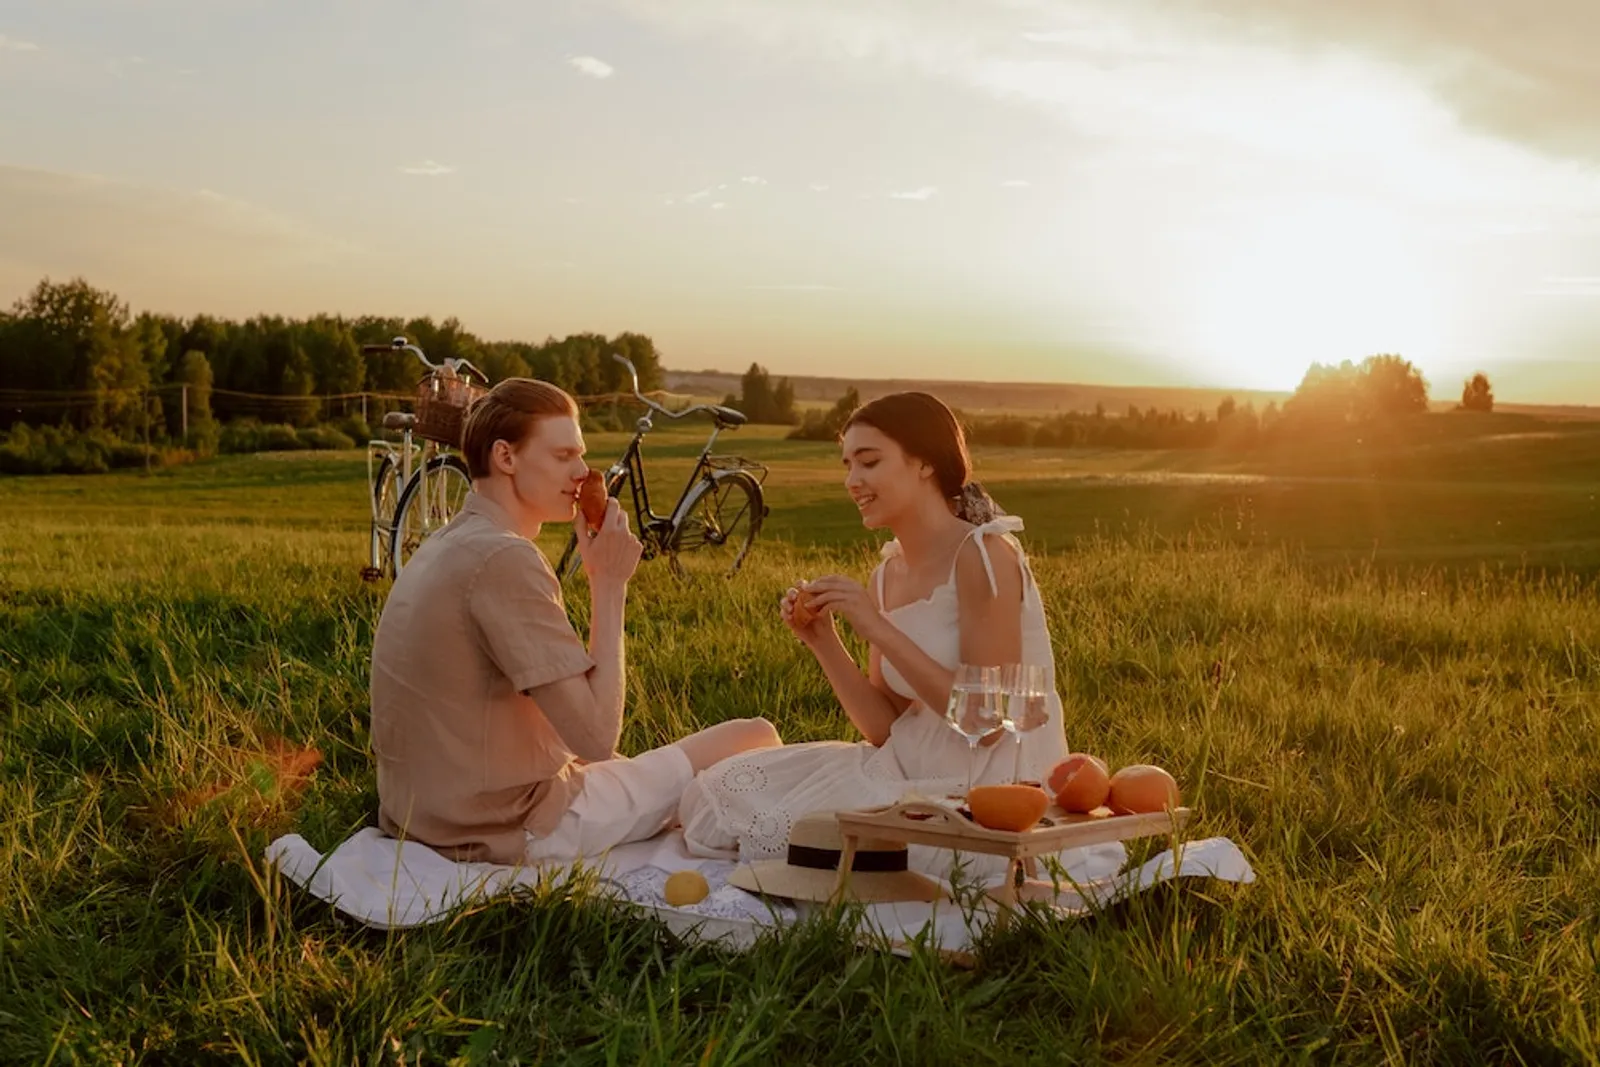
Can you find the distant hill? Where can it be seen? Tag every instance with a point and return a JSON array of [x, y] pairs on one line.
[[988, 397], [1048, 398]]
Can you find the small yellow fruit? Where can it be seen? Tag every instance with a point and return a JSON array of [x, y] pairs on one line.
[[685, 888]]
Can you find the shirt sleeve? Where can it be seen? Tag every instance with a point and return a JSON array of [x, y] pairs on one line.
[[516, 605]]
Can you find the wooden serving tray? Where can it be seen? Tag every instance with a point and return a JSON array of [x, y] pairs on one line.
[[925, 822]]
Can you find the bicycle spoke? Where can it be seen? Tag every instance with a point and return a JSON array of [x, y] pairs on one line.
[[713, 538]]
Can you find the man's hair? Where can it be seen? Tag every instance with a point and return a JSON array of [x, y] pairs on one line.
[[509, 413]]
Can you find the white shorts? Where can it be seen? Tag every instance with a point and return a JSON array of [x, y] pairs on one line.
[[621, 800]]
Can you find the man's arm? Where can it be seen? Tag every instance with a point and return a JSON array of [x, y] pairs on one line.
[[586, 709]]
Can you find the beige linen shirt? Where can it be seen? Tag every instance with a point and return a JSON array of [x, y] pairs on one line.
[[466, 761]]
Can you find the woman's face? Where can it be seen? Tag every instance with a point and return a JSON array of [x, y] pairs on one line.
[[882, 480]]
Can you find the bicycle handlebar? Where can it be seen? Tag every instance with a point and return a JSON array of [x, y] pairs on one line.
[[633, 375], [400, 344]]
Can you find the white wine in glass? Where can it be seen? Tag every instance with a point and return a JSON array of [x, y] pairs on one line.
[[1027, 703], [975, 710]]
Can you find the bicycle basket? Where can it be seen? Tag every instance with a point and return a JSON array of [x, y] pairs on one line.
[[442, 405]]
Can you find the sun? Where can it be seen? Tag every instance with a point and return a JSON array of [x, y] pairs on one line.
[[1312, 282]]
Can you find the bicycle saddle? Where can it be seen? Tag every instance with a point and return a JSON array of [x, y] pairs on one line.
[[399, 420], [728, 416]]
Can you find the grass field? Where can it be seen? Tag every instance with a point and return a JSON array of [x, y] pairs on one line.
[[1382, 679]]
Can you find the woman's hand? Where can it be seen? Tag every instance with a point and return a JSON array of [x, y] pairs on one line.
[[834, 594], [818, 628]]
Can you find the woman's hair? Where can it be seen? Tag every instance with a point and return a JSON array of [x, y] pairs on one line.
[[509, 413], [921, 424]]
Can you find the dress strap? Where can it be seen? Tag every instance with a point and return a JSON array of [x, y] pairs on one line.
[[1002, 524], [886, 553]]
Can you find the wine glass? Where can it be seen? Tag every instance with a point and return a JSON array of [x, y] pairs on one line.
[[976, 708], [1027, 703]]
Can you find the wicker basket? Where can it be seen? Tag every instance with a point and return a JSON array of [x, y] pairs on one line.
[[442, 405]]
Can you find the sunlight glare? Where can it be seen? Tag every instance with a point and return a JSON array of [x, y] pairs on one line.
[[1319, 281]]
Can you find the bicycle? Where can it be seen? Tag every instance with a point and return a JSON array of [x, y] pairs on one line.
[[414, 489], [721, 506]]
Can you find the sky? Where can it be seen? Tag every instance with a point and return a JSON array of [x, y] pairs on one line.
[[1189, 192]]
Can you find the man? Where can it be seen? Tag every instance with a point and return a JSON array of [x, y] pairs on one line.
[[494, 727]]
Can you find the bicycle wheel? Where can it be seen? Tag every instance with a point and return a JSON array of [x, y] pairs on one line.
[[385, 493], [716, 530], [424, 511]]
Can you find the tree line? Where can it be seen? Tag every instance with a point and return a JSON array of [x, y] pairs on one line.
[[75, 359], [75, 356]]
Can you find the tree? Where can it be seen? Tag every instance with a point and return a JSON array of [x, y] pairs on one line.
[[1381, 387], [828, 425], [196, 375], [1390, 385], [760, 401], [1476, 394], [72, 337], [641, 351]]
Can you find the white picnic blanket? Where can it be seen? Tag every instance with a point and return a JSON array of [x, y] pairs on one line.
[[387, 883]]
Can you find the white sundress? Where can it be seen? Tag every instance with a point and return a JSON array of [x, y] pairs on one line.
[[748, 803]]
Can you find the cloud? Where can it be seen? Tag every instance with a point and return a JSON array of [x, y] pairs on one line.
[[427, 169], [1350, 94], [592, 67], [1016, 183], [704, 194], [12, 44], [1532, 80], [925, 192], [817, 187], [800, 287], [120, 67], [752, 179]]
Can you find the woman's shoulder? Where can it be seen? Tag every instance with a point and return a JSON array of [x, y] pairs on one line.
[[992, 565]]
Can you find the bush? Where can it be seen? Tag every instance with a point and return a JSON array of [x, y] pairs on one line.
[[325, 438], [204, 438], [60, 450], [353, 427]]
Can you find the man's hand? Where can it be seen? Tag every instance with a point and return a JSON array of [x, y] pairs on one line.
[[610, 554]]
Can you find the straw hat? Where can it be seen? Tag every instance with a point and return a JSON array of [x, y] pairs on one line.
[[810, 870]]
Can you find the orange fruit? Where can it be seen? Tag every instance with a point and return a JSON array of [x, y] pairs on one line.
[[1080, 782], [1007, 807], [1142, 788]]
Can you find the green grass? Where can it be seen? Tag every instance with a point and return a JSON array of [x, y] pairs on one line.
[[1390, 703]]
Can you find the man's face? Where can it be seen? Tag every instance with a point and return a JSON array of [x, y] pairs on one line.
[[547, 468]]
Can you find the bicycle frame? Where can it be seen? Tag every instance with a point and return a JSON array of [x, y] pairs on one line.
[[657, 531], [631, 466], [410, 457]]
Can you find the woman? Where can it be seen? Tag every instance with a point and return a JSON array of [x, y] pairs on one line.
[[953, 587]]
